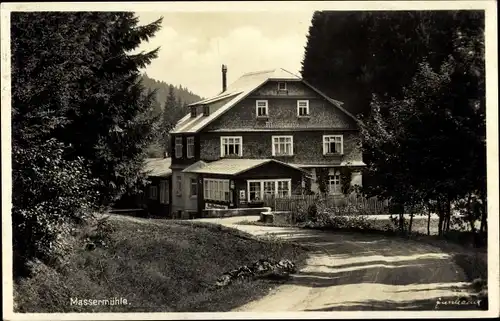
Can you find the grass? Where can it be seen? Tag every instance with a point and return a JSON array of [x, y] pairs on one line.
[[157, 266]]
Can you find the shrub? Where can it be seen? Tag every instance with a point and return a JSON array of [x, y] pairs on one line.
[[338, 217], [50, 196]]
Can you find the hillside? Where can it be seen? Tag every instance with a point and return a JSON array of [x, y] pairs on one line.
[[155, 265], [181, 93]]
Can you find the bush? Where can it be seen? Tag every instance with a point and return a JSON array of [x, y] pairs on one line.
[[50, 196], [343, 217]]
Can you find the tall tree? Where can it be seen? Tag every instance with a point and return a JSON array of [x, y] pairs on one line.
[[80, 121], [431, 142], [351, 55], [172, 113]]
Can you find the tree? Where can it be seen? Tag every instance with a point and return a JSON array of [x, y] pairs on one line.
[[172, 113], [352, 55], [430, 145], [80, 121]]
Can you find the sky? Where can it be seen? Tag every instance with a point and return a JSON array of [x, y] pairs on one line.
[[194, 45]]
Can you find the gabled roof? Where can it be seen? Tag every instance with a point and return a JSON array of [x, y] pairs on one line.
[[238, 90], [233, 166], [158, 167]]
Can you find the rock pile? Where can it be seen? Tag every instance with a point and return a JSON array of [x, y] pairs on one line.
[[268, 269]]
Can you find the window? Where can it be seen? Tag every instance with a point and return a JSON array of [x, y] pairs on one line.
[[254, 191], [332, 144], [217, 190], [178, 186], [231, 146], [283, 188], [153, 192], [193, 111], [190, 147], [302, 108], [193, 188], [178, 147], [164, 192], [261, 108], [334, 183], [260, 189], [269, 188], [282, 145], [282, 86], [206, 110]]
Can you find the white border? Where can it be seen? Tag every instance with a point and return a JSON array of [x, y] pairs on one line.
[[492, 147]]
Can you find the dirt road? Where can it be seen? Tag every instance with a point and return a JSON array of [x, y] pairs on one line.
[[352, 271]]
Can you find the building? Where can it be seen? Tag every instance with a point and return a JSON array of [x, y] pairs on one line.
[[269, 132], [157, 195]]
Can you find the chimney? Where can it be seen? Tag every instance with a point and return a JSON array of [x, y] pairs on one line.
[[224, 80]]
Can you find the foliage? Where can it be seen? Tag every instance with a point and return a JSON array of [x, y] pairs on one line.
[[377, 52], [322, 179], [162, 90], [430, 144], [50, 196], [173, 111], [80, 120]]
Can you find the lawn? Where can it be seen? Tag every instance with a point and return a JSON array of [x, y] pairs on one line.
[[157, 266]]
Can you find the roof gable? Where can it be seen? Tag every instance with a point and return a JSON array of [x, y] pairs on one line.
[[234, 166], [239, 90]]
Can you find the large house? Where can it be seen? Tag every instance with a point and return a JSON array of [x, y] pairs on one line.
[[268, 133]]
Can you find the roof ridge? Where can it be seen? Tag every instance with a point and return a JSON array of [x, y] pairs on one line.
[[291, 73], [258, 72]]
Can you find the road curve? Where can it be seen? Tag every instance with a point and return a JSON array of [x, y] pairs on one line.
[[352, 271]]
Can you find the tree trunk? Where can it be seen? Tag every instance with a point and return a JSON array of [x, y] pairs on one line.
[[429, 222], [448, 215], [441, 217], [483, 226], [471, 215], [401, 222], [410, 225]]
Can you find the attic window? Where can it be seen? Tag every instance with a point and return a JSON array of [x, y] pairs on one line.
[[282, 86], [193, 111], [206, 110]]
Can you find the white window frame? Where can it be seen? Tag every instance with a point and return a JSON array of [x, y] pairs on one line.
[[164, 192], [215, 189], [190, 147], [222, 143], [261, 181], [326, 140], [282, 89], [193, 181], [266, 108], [274, 143], [153, 192], [178, 185], [178, 147], [333, 178], [301, 107]]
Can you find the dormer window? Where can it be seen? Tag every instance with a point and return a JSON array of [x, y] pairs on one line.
[[282, 86], [206, 110], [193, 111], [261, 108]]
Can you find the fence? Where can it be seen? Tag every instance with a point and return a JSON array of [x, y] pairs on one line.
[[296, 202]]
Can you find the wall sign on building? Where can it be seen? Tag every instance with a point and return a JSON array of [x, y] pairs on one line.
[[215, 206]]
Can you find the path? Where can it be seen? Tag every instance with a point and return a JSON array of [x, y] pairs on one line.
[[352, 271]]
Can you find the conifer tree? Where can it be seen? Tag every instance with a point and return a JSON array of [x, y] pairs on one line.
[[80, 121]]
